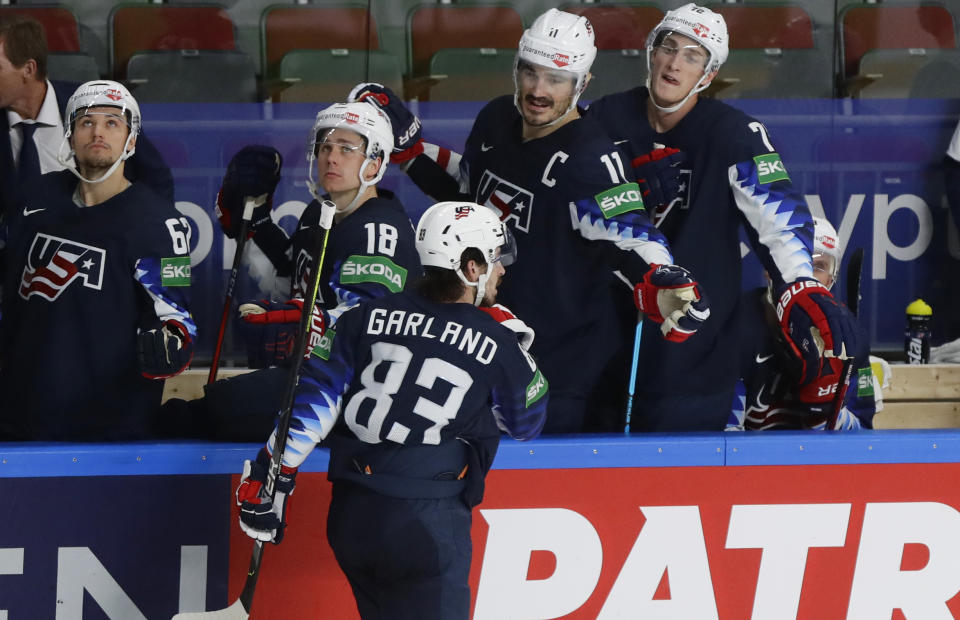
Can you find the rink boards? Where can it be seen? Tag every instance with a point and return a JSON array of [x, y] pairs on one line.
[[727, 526]]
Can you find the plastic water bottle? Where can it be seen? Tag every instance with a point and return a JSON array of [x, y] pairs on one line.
[[916, 340]]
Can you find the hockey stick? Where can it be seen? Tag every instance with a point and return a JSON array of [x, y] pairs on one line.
[[633, 372], [250, 203], [240, 609], [852, 277]]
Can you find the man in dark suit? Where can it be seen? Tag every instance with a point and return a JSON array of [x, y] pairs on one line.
[[33, 107]]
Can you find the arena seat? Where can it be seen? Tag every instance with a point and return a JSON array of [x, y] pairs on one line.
[[864, 27], [337, 31], [72, 67], [60, 24], [619, 26], [165, 27], [192, 76], [910, 73], [328, 75], [435, 27], [616, 70], [472, 74]]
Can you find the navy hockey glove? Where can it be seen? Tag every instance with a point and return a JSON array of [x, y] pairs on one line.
[[252, 173], [816, 397], [670, 296], [658, 174], [164, 351], [407, 142], [508, 319], [816, 325], [271, 328], [263, 518]]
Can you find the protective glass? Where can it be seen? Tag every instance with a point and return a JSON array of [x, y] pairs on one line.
[[692, 55], [507, 252], [825, 269], [84, 118]]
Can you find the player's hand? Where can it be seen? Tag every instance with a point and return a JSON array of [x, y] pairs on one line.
[[658, 175], [407, 142], [263, 518], [164, 351], [670, 296], [508, 319], [816, 325], [271, 330], [252, 173]]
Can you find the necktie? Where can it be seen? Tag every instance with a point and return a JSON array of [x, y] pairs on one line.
[[29, 158]]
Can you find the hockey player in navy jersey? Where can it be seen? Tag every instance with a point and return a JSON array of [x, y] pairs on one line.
[[707, 169], [582, 233], [371, 253], [769, 395], [410, 398], [94, 293]]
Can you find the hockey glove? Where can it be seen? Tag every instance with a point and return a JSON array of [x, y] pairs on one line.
[[252, 173], [164, 351], [270, 329], [508, 319], [816, 325], [659, 176], [407, 142], [671, 297], [263, 518], [816, 397]]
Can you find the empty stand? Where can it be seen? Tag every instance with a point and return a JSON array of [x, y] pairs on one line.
[[192, 76], [72, 67], [784, 26], [865, 27], [295, 28], [166, 27], [910, 73], [620, 26], [329, 75], [432, 27], [60, 24], [472, 74]]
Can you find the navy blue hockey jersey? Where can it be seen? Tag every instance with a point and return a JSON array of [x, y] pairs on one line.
[[404, 371], [576, 221], [734, 176], [79, 283]]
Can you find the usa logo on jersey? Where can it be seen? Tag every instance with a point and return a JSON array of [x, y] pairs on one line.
[[54, 263], [513, 203]]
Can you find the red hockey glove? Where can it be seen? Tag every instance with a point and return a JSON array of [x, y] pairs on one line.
[[659, 175], [164, 351], [263, 518], [508, 319], [252, 173], [271, 328], [407, 142], [669, 295], [815, 325]]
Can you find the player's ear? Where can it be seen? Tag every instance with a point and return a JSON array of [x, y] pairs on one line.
[[132, 144], [710, 77], [373, 168]]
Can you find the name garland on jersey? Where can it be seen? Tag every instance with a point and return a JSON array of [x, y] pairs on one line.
[[175, 271], [402, 323], [374, 269], [770, 168], [512, 202], [53, 263], [620, 199]]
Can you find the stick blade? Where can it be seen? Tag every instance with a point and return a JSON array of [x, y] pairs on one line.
[[234, 612]]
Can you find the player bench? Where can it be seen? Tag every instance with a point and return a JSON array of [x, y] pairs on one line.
[[921, 396]]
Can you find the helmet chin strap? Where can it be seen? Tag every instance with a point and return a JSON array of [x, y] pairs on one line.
[[479, 285], [65, 160], [698, 87]]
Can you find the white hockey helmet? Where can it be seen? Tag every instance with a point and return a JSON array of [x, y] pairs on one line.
[[558, 40], [362, 118], [447, 229], [96, 94], [703, 26], [826, 249]]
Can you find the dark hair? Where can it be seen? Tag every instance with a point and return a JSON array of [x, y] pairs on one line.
[[444, 285], [24, 38]]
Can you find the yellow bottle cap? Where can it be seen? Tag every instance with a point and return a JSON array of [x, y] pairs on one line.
[[919, 308]]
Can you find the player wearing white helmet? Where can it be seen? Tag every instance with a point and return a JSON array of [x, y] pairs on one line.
[[557, 181], [705, 169], [371, 252], [770, 394], [411, 400], [95, 290]]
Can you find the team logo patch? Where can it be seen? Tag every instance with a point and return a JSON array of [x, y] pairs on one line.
[[373, 269], [175, 271], [512, 202], [537, 388], [53, 263], [865, 382], [770, 168], [462, 212], [620, 199], [325, 346]]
